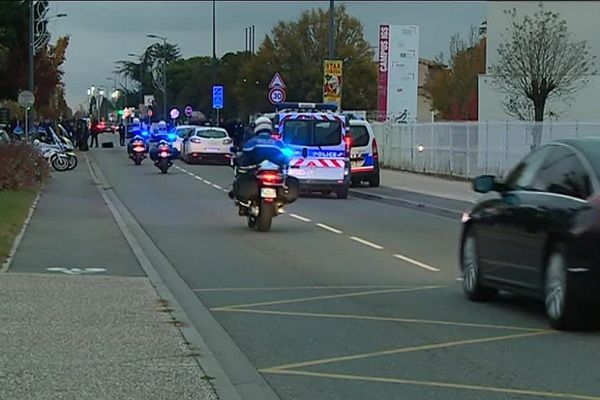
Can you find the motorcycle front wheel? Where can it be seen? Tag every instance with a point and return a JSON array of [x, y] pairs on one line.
[[72, 162], [59, 163]]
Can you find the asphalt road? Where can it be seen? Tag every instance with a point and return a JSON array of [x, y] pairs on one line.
[[351, 299]]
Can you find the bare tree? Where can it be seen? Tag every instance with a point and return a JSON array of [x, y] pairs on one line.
[[539, 60]]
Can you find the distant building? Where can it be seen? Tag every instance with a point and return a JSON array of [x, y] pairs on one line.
[[582, 21]]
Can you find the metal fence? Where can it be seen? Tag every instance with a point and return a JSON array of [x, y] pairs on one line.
[[466, 149]]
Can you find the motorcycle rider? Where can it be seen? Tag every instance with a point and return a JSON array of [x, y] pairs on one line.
[[133, 139], [154, 150], [257, 149]]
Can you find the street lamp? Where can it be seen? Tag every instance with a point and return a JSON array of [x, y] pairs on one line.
[[164, 82]]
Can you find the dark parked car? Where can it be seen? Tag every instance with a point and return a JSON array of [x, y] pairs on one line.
[[539, 234]]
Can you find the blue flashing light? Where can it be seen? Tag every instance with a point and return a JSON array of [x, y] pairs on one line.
[[288, 152], [144, 133], [172, 137]]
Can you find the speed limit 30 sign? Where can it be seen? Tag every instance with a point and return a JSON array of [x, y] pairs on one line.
[[276, 95]]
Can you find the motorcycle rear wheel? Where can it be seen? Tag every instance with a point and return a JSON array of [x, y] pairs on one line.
[[72, 162], [265, 216]]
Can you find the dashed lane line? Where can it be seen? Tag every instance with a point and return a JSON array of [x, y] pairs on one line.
[[329, 228], [366, 243], [299, 217], [417, 263]]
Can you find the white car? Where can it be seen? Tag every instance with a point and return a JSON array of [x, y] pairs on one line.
[[364, 154], [207, 143], [181, 132]]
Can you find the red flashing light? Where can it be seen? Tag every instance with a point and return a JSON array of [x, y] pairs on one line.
[[375, 149]]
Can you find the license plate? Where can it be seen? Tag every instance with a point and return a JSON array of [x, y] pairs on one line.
[[268, 193], [212, 150], [164, 154], [139, 149], [355, 164], [297, 172]]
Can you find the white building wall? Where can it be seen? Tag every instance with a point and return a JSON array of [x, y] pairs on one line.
[[582, 20]]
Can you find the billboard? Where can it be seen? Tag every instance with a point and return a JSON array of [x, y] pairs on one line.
[[398, 73], [332, 82]]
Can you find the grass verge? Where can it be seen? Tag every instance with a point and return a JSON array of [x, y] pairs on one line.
[[14, 207]]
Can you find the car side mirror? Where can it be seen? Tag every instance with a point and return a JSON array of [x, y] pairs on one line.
[[486, 183]]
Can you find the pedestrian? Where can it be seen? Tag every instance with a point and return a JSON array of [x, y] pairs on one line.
[[121, 129], [94, 133]]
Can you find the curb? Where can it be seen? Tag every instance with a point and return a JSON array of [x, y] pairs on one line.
[[19, 237], [375, 196], [169, 286]]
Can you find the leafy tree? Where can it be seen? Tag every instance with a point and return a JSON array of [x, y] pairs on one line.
[[453, 90], [297, 50], [539, 60]]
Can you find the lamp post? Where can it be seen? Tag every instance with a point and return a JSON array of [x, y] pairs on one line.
[[331, 27], [214, 53], [141, 57], [164, 82]]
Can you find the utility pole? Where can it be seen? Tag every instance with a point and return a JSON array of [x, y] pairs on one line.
[[214, 51], [31, 67], [331, 30]]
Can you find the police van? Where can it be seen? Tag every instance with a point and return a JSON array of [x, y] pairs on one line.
[[320, 139], [364, 154]]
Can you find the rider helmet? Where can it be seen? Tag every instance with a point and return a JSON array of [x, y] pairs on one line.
[[263, 124]]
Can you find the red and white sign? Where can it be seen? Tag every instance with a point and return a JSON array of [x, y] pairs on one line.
[[276, 95], [277, 81], [382, 84], [318, 162]]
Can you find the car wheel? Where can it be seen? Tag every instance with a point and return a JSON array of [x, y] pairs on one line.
[[342, 192], [374, 179], [564, 311], [472, 286]]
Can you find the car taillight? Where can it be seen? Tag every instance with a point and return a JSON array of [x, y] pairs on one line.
[[271, 178], [195, 140], [227, 141], [375, 149], [347, 145]]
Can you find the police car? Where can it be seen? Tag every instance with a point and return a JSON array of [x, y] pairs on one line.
[[321, 142], [364, 155]]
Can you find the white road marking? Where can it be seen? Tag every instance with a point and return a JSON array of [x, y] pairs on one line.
[[208, 182], [366, 243], [329, 228], [459, 279], [75, 271], [216, 186], [417, 263], [301, 218], [197, 177]]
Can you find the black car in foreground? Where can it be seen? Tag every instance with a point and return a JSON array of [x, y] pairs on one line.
[[538, 234]]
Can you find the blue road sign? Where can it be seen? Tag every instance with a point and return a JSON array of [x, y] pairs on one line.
[[217, 96]]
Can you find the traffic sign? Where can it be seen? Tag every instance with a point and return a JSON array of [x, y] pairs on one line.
[[174, 113], [188, 110], [277, 81], [276, 95], [26, 98], [217, 97], [150, 112]]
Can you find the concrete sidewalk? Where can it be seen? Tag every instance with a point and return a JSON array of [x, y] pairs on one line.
[[71, 334], [429, 185]]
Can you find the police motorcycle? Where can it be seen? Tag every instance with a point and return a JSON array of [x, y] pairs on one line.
[[137, 149], [162, 155], [261, 191], [52, 148]]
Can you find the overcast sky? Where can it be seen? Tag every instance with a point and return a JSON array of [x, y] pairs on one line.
[[103, 32]]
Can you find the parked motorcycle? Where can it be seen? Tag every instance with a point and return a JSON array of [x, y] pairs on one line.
[[262, 193], [138, 151], [163, 156], [57, 158]]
